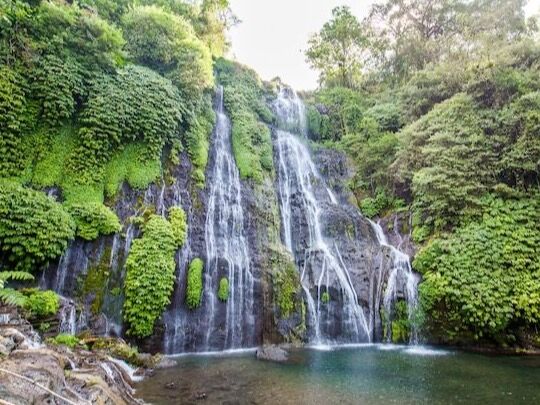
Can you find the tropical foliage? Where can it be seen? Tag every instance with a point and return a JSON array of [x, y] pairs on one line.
[[150, 276]]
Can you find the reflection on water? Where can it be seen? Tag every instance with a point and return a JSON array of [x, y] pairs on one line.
[[375, 374]]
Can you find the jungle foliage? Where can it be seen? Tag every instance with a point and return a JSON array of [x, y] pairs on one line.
[[442, 119]]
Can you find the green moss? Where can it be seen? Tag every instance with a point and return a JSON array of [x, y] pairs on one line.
[[223, 292], [194, 286], [178, 220], [400, 324], [198, 141], [244, 101], [325, 298], [95, 283], [41, 303]]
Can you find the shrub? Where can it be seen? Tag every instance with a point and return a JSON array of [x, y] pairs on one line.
[[177, 218], [286, 285], [135, 105], [149, 280], [483, 277], [33, 227], [197, 139], [65, 340], [223, 292], [194, 288], [133, 165], [42, 303], [94, 219]]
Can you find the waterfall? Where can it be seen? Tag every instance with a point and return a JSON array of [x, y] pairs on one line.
[[227, 252], [177, 318], [215, 325], [299, 179], [401, 271]]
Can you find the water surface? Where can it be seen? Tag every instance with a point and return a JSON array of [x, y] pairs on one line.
[[369, 374]]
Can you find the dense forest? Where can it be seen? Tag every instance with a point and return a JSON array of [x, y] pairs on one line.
[[436, 103]]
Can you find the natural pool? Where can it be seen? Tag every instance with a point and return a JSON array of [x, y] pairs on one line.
[[365, 374]]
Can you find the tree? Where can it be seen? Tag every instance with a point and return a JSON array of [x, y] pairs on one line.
[[338, 50]]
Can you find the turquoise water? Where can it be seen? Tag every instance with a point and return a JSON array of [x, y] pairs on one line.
[[371, 374]]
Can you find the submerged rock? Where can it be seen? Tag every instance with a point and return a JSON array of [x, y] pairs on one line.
[[272, 353]]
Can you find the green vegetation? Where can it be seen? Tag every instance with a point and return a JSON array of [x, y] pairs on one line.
[[94, 287], [95, 94], [65, 340], [178, 220], [149, 280], [484, 278], [33, 227], [198, 140], [94, 219], [325, 297], [11, 296], [194, 286], [244, 101], [42, 303], [441, 123], [223, 292], [286, 288]]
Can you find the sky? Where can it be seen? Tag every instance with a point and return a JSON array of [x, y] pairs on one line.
[[273, 34]]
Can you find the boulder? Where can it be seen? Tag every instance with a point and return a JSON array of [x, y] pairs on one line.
[[272, 353]]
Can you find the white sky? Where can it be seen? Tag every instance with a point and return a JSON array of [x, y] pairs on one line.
[[273, 34]]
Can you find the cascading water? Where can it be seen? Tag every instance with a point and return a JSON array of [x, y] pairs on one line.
[[216, 325], [400, 274], [227, 252], [299, 179]]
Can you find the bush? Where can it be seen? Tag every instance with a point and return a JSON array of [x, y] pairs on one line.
[[484, 277], [149, 280], [286, 285], [178, 220], [94, 219], [223, 292], [135, 105], [42, 303], [194, 287], [133, 165], [33, 227], [65, 340]]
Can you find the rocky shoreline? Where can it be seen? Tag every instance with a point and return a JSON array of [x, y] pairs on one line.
[[32, 372]]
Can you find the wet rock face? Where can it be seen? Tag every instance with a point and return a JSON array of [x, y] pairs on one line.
[[348, 254]]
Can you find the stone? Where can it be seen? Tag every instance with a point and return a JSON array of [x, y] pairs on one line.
[[166, 362], [272, 353]]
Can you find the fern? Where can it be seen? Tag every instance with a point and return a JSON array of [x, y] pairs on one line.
[[9, 295]]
